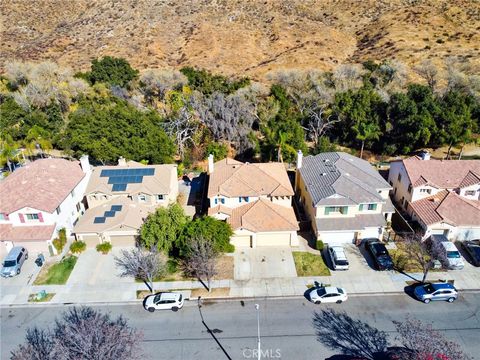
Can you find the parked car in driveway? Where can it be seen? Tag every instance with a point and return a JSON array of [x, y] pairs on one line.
[[472, 247], [436, 291], [163, 301], [13, 262], [327, 294], [451, 253], [338, 257], [380, 254]]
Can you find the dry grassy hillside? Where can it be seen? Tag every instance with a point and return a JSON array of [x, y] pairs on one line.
[[249, 37]]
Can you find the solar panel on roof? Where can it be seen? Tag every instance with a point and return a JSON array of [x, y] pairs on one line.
[[119, 187], [99, 220], [109, 214], [116, 208]]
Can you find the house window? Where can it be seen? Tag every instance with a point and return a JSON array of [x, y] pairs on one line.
[[78, 207], [246, 199], [372, 207], [470, 193], [72, 193], [160, 197], [336, 209], [216, 201], [142, 198], [240, 199], [2, 216], [428, 191], [222, 200], [399, 177], [32, 217], [410, 188], [58, 210]]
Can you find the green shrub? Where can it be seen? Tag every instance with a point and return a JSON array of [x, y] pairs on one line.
[[320, 245], [172, 266], [104, 247], [61, 240], [77, 247], [218, 150], [229, 248]]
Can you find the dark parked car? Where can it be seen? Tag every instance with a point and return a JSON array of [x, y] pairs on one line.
[[472, 247], [380, 254]]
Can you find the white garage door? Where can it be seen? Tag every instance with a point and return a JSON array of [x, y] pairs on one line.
[[369, 233], [91, 240], [337, 237], [123, 240], [273, 239], [468, 234], [34, 247], [241, 240]]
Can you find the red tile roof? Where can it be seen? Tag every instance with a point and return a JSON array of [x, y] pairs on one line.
[[42, 184], [26, 233], [447, 206], [443, 174]]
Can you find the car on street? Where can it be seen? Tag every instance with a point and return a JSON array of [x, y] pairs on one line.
[[436, 291], [338, 257], [327, 294], [380, 254], [163, 301], [472, 247], [12, 264]]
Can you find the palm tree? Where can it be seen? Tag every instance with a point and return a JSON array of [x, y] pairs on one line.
[[365, 132]]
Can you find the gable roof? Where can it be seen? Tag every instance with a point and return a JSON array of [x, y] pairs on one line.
[[447, 206], [131, 216], [157, 181], [232, 178], [338, 178], [42, 184], [442, 174], [259, 216]]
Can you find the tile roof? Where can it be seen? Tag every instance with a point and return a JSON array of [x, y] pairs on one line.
[[26, 233], [356, 223], [42, 184], [131, 216], [259, 216], [336, 173], [159, 183], [447, 206], [442, 174], [233, 178]]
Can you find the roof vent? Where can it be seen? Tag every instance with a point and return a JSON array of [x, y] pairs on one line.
[[424, 155], [326, 160], [347, 174], [324, 174]]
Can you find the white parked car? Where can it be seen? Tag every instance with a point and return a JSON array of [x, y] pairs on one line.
[[338, 257], [328, 294], [163, 301]]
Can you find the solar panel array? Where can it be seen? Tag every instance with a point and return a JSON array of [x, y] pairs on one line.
[[120, 178], [109, 213]]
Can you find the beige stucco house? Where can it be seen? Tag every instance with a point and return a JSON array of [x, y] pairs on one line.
[[255, 199], [120, 198]]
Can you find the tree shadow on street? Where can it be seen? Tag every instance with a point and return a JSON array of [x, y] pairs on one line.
[[354, 339]]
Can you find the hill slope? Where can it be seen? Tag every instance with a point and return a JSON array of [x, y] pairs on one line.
[[249, 37]]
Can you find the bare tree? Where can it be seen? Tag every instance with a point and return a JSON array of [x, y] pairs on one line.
[[82, 333], [423, 254], [318, 123], [429, 72], [156, 83], [142, 264], [201, 259], [348, 77], [424, 343]]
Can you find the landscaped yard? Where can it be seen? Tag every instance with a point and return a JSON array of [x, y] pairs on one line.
[[56, 274], [402, 261], [33, 298], [308, 264]]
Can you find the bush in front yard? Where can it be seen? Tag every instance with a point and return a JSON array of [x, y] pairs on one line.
[[320, 245], [77, 247], [104, 247], [61, 240]]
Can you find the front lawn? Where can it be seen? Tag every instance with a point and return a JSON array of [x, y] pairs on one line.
[[56, 274], [308, 264]]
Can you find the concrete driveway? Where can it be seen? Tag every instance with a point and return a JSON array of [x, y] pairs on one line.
[[11, 287], [263, 263]]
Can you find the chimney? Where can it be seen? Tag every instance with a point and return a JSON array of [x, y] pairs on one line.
[[210, 163], [85, 164], [299, 159], [425, 155], [122, 161]]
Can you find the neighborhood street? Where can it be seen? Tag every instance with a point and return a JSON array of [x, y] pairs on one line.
[[286, 325]]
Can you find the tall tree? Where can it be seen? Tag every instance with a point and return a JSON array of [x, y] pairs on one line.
[[112, 71], [200, 259], [211, 229]]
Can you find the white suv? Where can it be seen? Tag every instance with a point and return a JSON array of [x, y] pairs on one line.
[[163, 301], [454, 258], [338, 257]]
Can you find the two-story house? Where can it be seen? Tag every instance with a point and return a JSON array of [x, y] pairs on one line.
[[345, 198], [120, 198], [255, 199], [39, 199], [443, 196]]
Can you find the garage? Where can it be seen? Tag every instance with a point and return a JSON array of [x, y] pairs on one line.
[[34, 247], [90, 240], [241, 240], [273, 239], [123, 240], [370, 233], [338, 237]]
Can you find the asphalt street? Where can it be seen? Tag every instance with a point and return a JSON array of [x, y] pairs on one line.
[[286, 325]]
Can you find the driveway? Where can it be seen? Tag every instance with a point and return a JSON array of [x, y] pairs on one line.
[[10, 288], [263, 263]]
